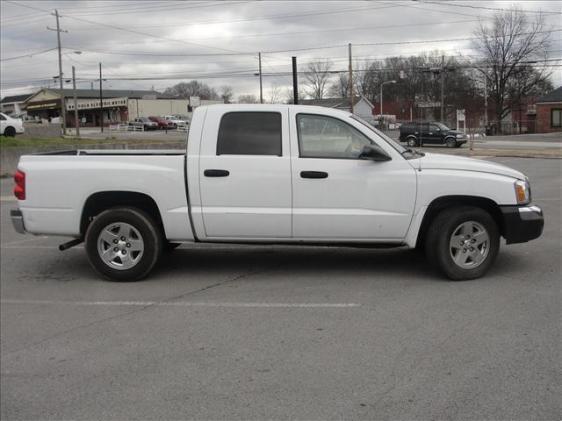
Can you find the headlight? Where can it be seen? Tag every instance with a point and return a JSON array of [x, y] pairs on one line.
[[460, 136], [522, 192]]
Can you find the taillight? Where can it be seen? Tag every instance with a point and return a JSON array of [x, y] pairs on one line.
[[19, 189]]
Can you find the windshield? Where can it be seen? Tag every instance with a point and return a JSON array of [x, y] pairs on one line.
[[442, 126], [388, 140]]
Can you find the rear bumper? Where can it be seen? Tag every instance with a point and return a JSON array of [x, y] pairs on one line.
[[522, 223], [17, 221]]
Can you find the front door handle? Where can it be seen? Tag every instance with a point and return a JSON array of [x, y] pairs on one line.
[[314, 174], [216, 173]]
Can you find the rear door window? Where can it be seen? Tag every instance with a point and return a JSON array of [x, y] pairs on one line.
[[250, 133]]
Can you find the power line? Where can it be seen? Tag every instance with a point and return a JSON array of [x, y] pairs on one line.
[[35, 53], [468, 6], [271, 17], [349, 28], [124, 29], [132, 10]]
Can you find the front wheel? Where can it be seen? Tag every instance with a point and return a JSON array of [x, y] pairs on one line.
[[451, 143], [463, 242], [123, 244]]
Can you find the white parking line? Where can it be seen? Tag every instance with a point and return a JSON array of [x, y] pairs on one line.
[[180, 304]]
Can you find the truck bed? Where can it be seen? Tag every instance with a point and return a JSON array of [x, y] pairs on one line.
[[60, 183]]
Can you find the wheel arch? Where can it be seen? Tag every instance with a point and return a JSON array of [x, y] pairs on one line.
[[101, 201], [444, 202]]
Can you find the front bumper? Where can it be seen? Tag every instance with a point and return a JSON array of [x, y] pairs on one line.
[[17, 221], [522, 223]]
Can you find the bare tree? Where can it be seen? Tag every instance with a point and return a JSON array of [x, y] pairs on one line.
[[316, 78], [340, 87], [509, 46], [226, 93], [274, 94], [248, 99], [288, 95]]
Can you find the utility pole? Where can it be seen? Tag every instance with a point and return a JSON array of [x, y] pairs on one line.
[[62, 106], [295, 82], [350, 80], [442, 88], [261, 86], [101, 102], [76, 121], [485, 101]]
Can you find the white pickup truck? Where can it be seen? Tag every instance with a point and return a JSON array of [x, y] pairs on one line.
[[281, 174]]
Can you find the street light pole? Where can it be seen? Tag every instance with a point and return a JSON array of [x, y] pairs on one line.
[[382, 84], [101, 102], [76, 122]]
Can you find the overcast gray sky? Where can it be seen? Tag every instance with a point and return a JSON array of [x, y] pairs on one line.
[[217, 42]]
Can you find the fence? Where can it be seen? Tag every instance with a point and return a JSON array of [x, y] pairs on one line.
[[126, 128]]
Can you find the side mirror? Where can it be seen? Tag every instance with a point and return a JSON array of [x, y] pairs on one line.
[[374, 153]]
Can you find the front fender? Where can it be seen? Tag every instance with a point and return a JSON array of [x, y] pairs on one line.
[[470, 185]]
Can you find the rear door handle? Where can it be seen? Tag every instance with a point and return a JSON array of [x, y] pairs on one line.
[[216, 173], [314, 174]]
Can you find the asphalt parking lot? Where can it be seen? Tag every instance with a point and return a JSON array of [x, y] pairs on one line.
[[284, 332]]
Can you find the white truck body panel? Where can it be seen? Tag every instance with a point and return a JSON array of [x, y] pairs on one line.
[[264, 198], [59, 185]]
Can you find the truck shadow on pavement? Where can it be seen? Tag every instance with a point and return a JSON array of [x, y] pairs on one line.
[[296, 261]]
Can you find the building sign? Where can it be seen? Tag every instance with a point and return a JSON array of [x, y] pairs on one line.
[[90, 103], [43, 106], [429, 104]]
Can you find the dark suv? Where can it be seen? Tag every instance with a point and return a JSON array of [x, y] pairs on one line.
[[432, 133]]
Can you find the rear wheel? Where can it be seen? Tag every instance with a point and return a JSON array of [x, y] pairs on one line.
[[463, 242], [10, 132], [123, 244], [412, 142]]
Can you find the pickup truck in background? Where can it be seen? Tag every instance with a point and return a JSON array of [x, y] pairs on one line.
[[275, 174]]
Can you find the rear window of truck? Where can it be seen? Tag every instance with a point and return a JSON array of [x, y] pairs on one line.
[[250, 133]]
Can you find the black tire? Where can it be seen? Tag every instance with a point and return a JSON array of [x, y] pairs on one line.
[[412, 142], [149, 232], [9, 131], [439, 238], [451, 142]]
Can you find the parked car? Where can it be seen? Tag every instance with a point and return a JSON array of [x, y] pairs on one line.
[[176, 120], [430, 133], [10, 126], [275, 174], [162, 123], [145, 123]]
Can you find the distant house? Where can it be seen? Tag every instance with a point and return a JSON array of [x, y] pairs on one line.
[[548, 110], [362, 107], [14, 105]]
